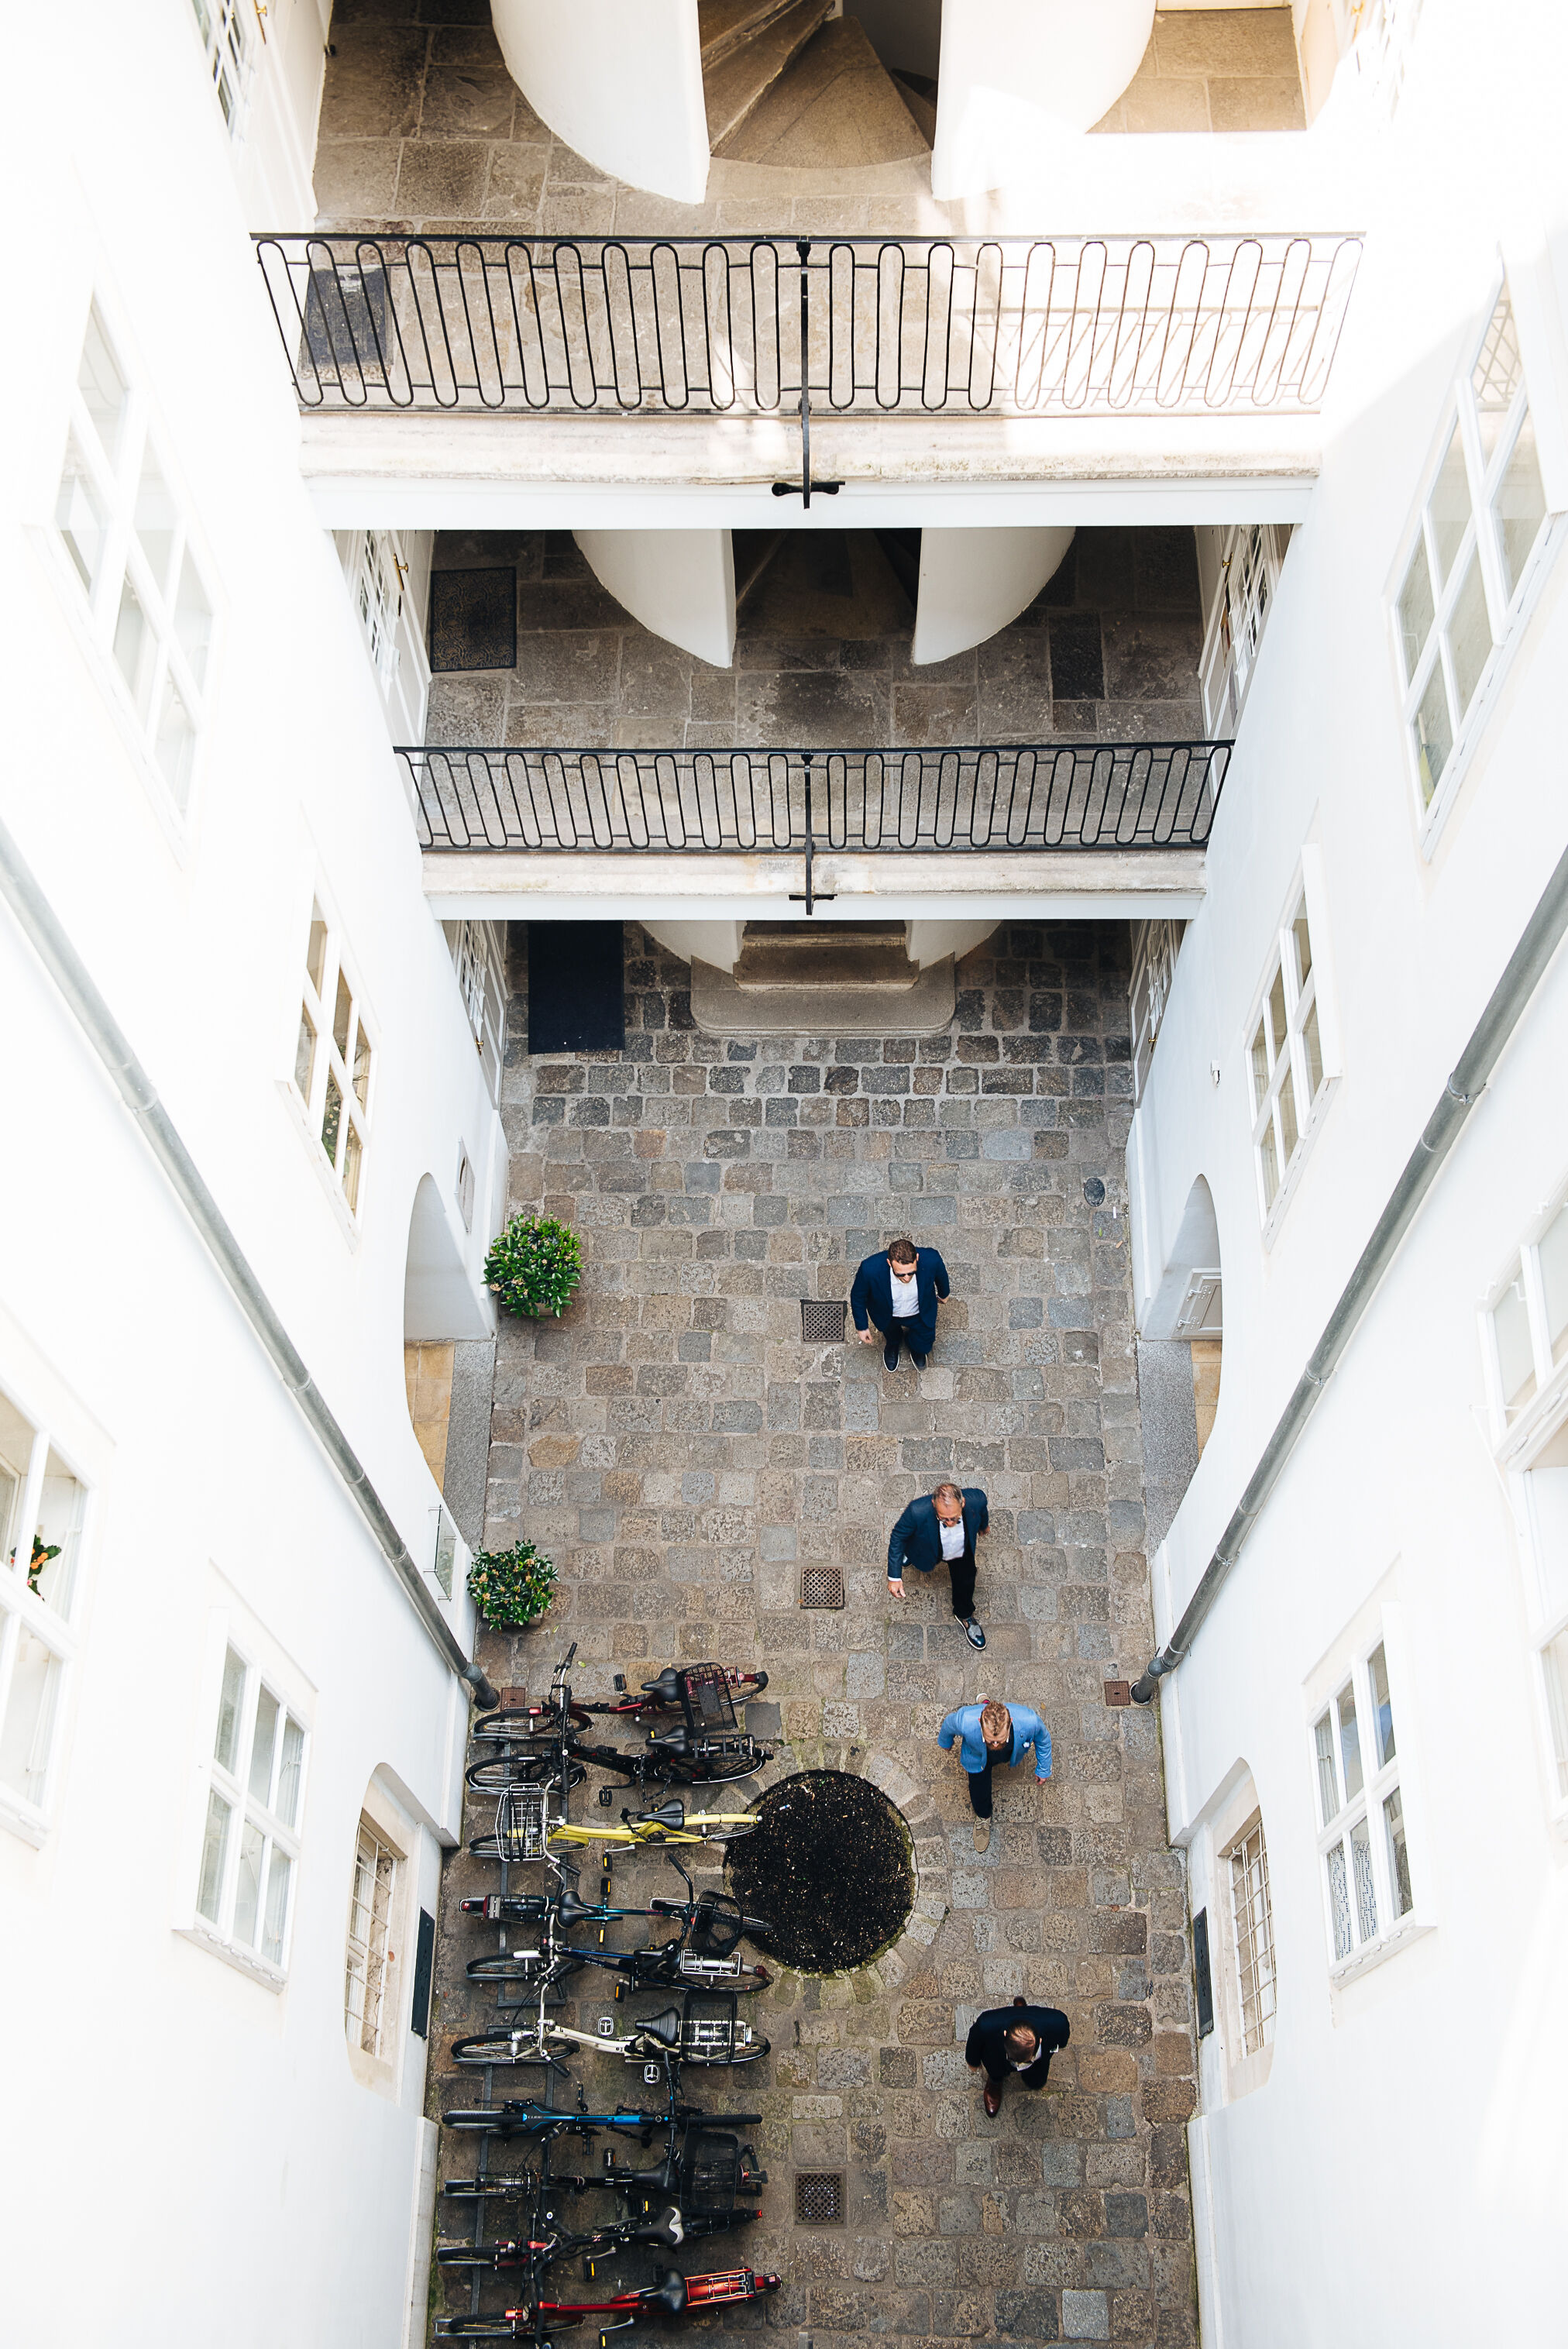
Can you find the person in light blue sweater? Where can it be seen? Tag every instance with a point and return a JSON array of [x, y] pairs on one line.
[[987, 1734]]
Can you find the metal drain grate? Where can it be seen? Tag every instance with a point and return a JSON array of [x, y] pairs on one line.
[[821, 1324], [822, 1586], [819, 2198]]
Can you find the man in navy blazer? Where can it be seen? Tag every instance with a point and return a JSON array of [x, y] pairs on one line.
[[1017, 2038], [947, 1526], [899, 1291]]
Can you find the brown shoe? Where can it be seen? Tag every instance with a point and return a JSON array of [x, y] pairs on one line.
[[981, 1835], [993, 2097]]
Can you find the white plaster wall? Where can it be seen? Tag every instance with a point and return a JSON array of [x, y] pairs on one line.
[[620, 80], [974, 581], [718, 943], [1016, 74], [678, 583]]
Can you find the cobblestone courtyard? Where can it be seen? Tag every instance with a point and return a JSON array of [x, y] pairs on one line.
[[679, 1451]]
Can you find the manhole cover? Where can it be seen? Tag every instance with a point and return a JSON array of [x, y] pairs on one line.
[[819, 2198], [821, 1325], [822, 1585], [828, 1866]]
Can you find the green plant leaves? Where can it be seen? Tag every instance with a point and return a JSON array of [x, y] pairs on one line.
[[512, 1586], [534, 1265]]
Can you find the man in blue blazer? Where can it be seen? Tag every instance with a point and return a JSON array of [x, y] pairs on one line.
[[899, 1291], [947, 1526], [989, 1733]]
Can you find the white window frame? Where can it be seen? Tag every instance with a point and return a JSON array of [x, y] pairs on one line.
[[25, 1613], [1519, 1434], [1289, 1066], [388, 574], [232, 1785], [375, 1973], [1508, 609], [1251, 556], [330, 1063], [111, 481], [1238, 1864], [1393, 1927], [478, 957], [1155, 947], [229, 53]]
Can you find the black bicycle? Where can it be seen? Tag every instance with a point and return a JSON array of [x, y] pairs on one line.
[[707, 1747]]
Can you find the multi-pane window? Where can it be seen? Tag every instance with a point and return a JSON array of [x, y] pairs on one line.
[[42, 1508], [377, 585], [1285, 1059], [1254, 1944], [225, 39], [1362, 1843], [368, 2001], [121, 527], [1554, 1666], [1464, 579], [250, 1840], [1249, 573], [1529, 1322], [478, 957], [333, 1058]]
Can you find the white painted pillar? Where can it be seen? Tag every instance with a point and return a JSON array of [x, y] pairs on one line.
[[718, 943], [932, 942], [620, 80], [973, 581], [1019, 76], [678, 583]]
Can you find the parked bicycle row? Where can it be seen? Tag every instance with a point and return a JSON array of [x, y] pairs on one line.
[[703, 2179]]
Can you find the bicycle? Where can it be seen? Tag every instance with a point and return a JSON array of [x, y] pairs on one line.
[[653, 1830], [674, 2295], [707, 1692], [666, 2233], [708, 1746], [682, 2034], [703, 1954]]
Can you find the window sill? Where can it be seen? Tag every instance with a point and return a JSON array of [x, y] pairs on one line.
[[1298, 1167], [25, 1819], [1537, 1424], [1365, 1961], [233, 1953], [348, 1222]]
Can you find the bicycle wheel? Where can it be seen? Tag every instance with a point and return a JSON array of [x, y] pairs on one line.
[[508, 2047], [475, 2328], [517, 1965], [486, 2256], [491, 2189], [494, 1776]]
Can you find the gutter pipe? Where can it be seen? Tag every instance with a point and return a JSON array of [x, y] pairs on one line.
[[20, 888], [1525, 969]]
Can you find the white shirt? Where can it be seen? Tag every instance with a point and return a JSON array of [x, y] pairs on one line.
[[952, 1537], [905, 1296]]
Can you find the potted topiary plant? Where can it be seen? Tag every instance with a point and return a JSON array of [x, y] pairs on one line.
[[534, 1265], [512, 1588]]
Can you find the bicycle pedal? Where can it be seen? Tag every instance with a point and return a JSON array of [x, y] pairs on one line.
[[606, 1797]]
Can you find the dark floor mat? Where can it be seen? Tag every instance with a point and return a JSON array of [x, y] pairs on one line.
[[576, 1002], [473, 619]]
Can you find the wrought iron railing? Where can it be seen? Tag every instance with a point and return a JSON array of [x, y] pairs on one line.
[[1014, 800], [747, 325]]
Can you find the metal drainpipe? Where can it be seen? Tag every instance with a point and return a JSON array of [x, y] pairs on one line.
[[65, 967], [1526, 968]]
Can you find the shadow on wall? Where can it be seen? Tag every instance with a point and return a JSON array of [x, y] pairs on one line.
[[1178, 1360]]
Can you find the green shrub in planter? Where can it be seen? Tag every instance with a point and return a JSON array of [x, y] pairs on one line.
[[534, 1265], [512, 1586]]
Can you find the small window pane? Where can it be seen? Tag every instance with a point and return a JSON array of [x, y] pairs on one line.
[[193, 620], [175, 747], [79, 517], [1289, 1134], [133, 643], [1554, 1664], [226, 1745], [1497, 374], [62, 1506], [1554, 1280], [1268, 1160], [1327, 1781], [1515, 1353], [1450, 505], [1366, 1891], [1302, 932], [156, 520], [362, 1068], [1312, 1046], [214, 1852], [102, 385], [26, 1732], [1349, 1742], [1276, 1013], [264, 1744], [353, 1154], [275, 1919], [248, 1891], [1260, 1061], [1399, 1855], [1469, 636], [305, 1053], [1382, 1710], [287, 1804], [1417, 610], [315, 951], [1520, 504], [343, 1012], [1434, 733], [333, 1119], [1339, 1900]]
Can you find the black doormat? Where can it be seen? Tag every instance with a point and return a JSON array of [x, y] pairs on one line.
[[473, 618], [575, 998]]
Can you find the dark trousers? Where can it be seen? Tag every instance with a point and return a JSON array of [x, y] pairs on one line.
[[917, 1335], [962, 1570], [980, 1791]]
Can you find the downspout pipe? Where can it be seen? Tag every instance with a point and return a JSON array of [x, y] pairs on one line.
[[1526, 968], [33, 910]]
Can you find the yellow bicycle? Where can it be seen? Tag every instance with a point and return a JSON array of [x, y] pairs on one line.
[[653, 1830]]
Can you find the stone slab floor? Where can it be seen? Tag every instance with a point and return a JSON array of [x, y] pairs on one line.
[[679, 1451]]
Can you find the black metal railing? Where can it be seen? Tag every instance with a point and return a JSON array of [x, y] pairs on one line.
[[748, 325], [1011, 800]]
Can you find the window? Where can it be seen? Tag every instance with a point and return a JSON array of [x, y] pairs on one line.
[[1362, 1843], [1465, 577], [226, 42], [1155, 946], [1528, 1323], [1255, 1946], [333, 1058], [366, 2006], [478, 957], [1554, 1666], [1286, 1063], [42, 1509], [249, 1838], [1250, 560], [377, 585], [120, 526]]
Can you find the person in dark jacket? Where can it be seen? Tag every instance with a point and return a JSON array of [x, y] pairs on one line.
[[899, 1292], [1017, 2038], [947, 1526]]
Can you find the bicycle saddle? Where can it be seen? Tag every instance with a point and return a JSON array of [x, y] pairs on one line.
[[669, 2297], [667, 1815], [666, 2028], [666, 1688], [668, 1740], [666, 2229], [572, 1911]]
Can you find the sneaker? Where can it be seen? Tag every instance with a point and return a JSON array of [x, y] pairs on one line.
[[890, 1355], [981, 1835], [974, 1634], [920, 1360]]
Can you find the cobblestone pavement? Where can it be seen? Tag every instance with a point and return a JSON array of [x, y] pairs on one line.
[[679, 1451]]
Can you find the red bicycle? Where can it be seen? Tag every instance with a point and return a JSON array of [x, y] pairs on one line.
[[673, 2295]]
